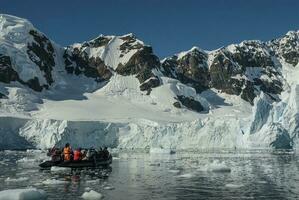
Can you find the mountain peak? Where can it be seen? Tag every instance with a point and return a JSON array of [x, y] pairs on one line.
[[12, 18], [13, 28], [193, 50], [292, 33], [131, 35]]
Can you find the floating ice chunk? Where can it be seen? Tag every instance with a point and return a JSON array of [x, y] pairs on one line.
[[175, 171], [21, 179], [23, 194], [26, 160], [155, 164], [34, 151], [262, 182], [96, 181], [188, 175], [158, 150], [217, 166], [26, 172], [54, 182], [38, 184], [60, 169], [10, 152], [231, 185], [109, 187], [92, 195]]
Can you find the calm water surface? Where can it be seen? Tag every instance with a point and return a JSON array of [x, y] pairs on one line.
[[184, 175]]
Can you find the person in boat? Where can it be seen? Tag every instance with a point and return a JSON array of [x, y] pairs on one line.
[[84, 154], [106, 153], [77, 155], [100, 154], [90, 154], [67, 152], [55, 154]]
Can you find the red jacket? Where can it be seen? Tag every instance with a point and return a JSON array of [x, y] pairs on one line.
[[77, 155]]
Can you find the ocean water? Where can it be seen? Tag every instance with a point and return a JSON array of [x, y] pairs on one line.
[[209, 175]]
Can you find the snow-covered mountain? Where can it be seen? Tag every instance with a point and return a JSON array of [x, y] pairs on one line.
[[114, 91]]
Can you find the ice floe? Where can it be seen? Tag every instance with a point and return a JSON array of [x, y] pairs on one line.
[[21, 179], [23, 194], [158, 150], [108, 187], [60, 169], [232, 185], [216, 166], [96, 181], [188, 175], [92, 195], [54, 182], [175, 171]]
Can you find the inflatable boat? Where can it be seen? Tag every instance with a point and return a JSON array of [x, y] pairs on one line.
[[78, 164]]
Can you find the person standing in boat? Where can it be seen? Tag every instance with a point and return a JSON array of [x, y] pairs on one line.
[[67, 152]]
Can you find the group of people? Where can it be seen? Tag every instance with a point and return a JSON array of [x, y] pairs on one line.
[[67, 154]]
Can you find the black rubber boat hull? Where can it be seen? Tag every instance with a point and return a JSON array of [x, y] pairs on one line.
[[77, 164]]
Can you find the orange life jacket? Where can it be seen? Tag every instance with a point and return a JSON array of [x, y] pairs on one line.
[[67, 153], [77, 155]]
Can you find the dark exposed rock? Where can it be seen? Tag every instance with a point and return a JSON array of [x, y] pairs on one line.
[[274, 87], [97, 42], [177, 104], [130, 43], [144, 75], [141, 64], [148, 85], [222, 71], [7, 74], [169, 66], [286, 47], [228, 71], [255, 54], [34, 84], [291, 57], [248, 93], [97, 69], [191, 69], [190, 103], [251, 54], [41, 52], [142, 61], [78, 62]]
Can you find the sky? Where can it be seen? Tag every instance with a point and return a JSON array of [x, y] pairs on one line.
[[169, 26]]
